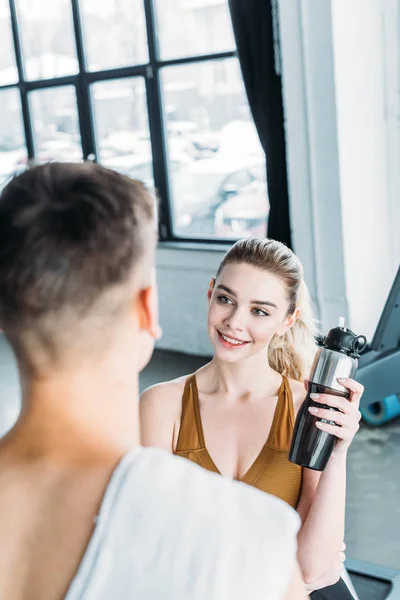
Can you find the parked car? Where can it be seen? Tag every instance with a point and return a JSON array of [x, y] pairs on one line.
[[201, 188], [244, 214]]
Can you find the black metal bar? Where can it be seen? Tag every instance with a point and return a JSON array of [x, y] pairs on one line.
[[9, 86], [157, 130], [16, 39], [141, 70], [41, 84], [203, 240], [85, 113], [194, 59], [193, 245], [118, 73], [151, 26], [26, 115]]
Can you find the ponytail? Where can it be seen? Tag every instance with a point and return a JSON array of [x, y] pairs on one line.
[[292, 354]]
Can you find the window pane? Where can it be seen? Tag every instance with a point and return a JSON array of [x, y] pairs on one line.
[[190, 27], [122, 127], [217, 165], [47, 38], [115, 33], [55, 124], [8, 69], [12, 140]]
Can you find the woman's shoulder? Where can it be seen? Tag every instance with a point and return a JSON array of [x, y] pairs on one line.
[[164, 395], [160, 412], [298, 393]]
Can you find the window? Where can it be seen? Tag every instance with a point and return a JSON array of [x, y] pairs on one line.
[[151, 88], [55, 124], [8, 69], [122, 127], [219, 189], [12, 143], [115, 33], [47, 38], [192, 27]]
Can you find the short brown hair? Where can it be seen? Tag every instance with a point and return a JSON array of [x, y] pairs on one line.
[[67, 233]]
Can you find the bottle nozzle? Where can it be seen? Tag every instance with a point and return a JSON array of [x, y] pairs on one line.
[[341, 322]]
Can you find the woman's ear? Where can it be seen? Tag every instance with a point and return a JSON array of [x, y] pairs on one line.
[[289, 322], [211, 288]]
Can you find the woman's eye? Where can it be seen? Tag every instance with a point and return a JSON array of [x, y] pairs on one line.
[[224, 300], [260, 313]]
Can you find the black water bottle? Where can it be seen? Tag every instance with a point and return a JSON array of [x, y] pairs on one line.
[[338, 357]]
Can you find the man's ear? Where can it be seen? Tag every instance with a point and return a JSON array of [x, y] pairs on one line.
[[211, 288], [147, 311]]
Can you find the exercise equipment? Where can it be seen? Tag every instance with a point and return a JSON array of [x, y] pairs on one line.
[[379, 366], [373, 582]]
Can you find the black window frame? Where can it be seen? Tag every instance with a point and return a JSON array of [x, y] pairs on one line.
[[82, 81]]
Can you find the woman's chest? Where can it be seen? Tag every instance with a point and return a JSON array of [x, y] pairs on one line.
[[234, 434]]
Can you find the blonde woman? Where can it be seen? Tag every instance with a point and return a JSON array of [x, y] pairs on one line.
[[235, 416]]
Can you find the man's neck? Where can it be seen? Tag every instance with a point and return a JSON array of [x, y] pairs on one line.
[[77, 415], [56, 464]]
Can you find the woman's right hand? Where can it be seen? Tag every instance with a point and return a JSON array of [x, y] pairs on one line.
[[332, 576]]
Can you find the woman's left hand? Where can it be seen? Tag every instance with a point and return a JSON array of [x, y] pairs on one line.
[[346, 419]]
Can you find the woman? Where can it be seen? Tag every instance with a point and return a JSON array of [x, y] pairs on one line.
[[235, 416]]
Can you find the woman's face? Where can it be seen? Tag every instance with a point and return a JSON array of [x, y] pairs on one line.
[[247, 307]]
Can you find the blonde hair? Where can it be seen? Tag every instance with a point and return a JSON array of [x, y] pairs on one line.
[[291, 354]]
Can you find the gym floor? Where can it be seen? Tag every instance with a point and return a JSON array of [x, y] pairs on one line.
[[373, 507]]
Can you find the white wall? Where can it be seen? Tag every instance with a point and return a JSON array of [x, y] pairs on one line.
[[391, 29], [183, 279], [312, 154], [359, 59], [340, 75]]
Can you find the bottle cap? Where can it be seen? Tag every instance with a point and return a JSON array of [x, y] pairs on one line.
[[344, 340]]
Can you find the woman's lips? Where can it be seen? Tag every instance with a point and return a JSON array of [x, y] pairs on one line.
[[231, 342]]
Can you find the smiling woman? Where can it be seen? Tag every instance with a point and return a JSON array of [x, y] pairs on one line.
[[289, 333], [235, 416], [236, 319]]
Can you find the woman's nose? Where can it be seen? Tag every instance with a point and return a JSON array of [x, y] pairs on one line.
[[235, 321]]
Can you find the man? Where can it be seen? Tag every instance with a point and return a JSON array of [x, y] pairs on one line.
[[85, 512]]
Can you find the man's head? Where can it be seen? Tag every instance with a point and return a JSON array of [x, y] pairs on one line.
[[77, 246]]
